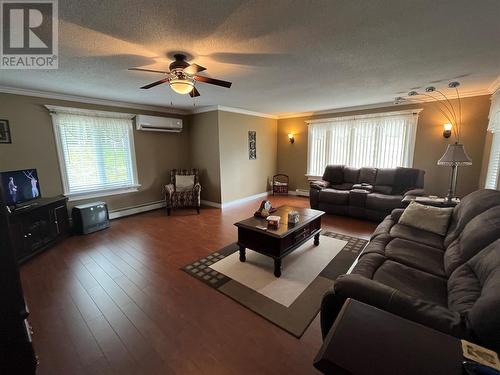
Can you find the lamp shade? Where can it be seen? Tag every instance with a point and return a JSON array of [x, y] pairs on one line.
[[181, 86], [455, 155]]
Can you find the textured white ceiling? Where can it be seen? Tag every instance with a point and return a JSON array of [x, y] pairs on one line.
[[282, 56]]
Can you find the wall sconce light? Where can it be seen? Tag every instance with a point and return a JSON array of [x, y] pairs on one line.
[[291, 138], [447, 130]]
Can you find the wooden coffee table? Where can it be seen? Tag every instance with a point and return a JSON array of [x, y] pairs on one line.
[[278, 243]]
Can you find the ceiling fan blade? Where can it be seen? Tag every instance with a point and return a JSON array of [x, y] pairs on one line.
[[193, 69], [155, 83], [213, 81], [194, 93], [148, 70]]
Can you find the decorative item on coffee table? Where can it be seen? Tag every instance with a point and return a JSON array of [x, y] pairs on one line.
[[265, 209]]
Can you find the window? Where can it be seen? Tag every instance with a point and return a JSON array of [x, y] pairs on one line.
[[96, 152], [383, 140], [493, 174]]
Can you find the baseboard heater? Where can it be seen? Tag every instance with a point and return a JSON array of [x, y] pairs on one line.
[[302, 192]]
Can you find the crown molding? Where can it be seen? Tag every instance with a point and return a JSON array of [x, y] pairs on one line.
[[241, 111], [88, 100], [467, 94]]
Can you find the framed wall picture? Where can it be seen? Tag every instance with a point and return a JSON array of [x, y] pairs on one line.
[[5, 136], [252, 145]]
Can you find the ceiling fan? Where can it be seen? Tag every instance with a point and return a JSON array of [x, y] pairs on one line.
[[182, 77]]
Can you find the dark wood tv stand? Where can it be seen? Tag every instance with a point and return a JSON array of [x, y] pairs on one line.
[[37, 226]]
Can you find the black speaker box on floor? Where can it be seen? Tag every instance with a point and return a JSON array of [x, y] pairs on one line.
[[90, 217]]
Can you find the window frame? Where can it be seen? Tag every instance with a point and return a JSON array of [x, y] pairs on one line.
[[412, 136], [490, 172], [100, 192]]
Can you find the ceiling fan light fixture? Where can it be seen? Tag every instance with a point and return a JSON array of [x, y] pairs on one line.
[[181, 86]]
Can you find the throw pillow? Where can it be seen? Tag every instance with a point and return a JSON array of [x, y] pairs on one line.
[[428, 218], [184, 183]]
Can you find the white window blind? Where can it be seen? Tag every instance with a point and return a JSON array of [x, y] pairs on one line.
[[493, 173], [383, 140], [96, 151]]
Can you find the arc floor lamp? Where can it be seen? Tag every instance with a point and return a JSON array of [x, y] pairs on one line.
[[455, 155]]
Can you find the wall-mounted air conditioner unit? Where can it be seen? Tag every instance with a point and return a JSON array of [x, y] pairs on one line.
[[158, 124]]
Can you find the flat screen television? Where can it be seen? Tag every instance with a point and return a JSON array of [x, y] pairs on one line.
[[20, 186]]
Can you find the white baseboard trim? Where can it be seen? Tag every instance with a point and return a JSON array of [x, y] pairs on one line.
[[211, 204], [136, 209], [246, 199], [299, 192]]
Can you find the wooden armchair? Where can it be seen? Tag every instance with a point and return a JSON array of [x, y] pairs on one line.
[[177, 199], [280, 184]]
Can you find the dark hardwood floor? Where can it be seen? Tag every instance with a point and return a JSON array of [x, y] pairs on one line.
[[115, 302]]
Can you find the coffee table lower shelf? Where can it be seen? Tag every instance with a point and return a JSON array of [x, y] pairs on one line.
[[277, 258]]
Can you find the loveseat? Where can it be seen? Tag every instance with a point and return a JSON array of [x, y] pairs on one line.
[[369, 193], [450, 283]]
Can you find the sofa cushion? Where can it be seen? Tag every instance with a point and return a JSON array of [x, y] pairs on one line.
[[351, 175], [383, 202], [406, 179], [484, 318], [426, 217], [417, 235], [416, 255], [471, 205], [482, 230], [344, 186], [415, 283], [333, 196], [334, 174], [384, 180], [367, 175]]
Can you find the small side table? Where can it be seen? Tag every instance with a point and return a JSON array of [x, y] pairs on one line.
[[436, 202], [366, 340]]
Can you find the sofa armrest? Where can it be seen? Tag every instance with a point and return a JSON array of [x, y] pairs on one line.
[[389, 299], [169, 190], [396, 214], [415, 192], [319, 184]]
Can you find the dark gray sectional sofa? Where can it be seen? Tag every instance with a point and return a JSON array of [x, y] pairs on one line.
[[450, 283], [368, 193]]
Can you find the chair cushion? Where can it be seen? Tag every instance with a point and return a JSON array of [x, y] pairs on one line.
[[184, 182], [333, 196], [413, 254], [367, 175], [383, 202], [417, 235], [351, 175], [426, 217]]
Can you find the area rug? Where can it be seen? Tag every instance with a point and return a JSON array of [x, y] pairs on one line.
[[291, 301]]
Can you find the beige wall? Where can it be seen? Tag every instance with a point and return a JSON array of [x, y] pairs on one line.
[[204, 145], [240, 176], [33, 146], [429, 147]]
